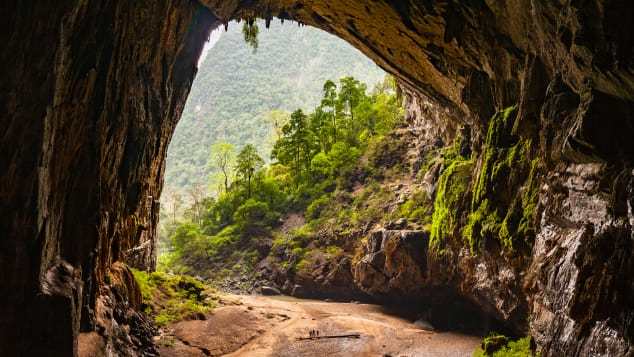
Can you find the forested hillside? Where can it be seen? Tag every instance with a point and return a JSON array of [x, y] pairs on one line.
[[321, 159], [236, 89]]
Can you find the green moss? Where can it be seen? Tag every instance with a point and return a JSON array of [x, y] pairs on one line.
[[298, 252], [168, 298], [495, 152], [505, 192], [453, 185], [483, 222], [431, 158], [497, 345], [143, 281], [303, 266]]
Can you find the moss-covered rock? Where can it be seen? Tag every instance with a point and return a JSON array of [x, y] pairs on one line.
[[505, 191], [453, 186]]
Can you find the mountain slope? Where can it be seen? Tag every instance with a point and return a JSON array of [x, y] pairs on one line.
[[236, 87]]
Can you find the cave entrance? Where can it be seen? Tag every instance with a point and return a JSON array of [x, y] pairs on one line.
[[94, 91], [262, 234]]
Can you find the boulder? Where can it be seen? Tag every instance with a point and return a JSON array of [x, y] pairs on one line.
[[394, 262], [269, 291]]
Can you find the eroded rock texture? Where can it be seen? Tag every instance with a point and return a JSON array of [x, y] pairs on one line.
[[91, 91]]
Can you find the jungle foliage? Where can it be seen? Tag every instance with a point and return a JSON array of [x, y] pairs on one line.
[[317, 154]]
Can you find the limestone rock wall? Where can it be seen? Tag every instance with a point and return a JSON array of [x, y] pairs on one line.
[[90, 94]]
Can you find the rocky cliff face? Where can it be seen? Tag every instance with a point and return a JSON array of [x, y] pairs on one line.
[[91, 92]]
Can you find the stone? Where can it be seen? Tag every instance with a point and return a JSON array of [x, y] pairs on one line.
[[269, 290], [398, 267]]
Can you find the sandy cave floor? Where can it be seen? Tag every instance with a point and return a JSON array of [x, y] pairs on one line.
[[271, 326]]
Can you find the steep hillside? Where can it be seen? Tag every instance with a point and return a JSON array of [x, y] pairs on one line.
[[236, 87]]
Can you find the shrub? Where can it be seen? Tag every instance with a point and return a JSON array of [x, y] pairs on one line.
[[496, 345], [386, 151], [417, 208], [184, 233], [318, 206], [168, 298], [254, 217]]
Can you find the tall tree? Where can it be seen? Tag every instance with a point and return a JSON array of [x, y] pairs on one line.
[[295, 146], [351, 94], [329, 104], [197, 194], [174, 203], [222, 158], [320, 125], [247, 165]]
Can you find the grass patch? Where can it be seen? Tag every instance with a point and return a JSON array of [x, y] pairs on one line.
[[168, 298]]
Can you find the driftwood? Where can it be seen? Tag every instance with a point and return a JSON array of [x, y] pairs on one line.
[[352, 335]]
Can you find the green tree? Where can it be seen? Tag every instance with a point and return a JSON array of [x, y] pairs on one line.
[[254, 217], [351, 94], [295, 147], [184, 233], [328, 106], [247, 165], [197, 195], [222, 158], [320, 126]]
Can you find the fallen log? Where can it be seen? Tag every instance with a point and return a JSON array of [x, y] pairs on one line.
[[352, 335]]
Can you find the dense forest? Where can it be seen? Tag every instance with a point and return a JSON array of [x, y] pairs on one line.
[[240, 93]]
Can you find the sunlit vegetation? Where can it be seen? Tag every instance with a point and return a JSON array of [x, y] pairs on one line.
[[496, 345], [168, 298], [315, 162]]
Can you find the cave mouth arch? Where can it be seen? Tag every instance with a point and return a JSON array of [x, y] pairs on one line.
[[460, 315], [91, 92]]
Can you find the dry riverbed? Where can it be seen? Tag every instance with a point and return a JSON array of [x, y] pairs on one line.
[[280, 326]]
